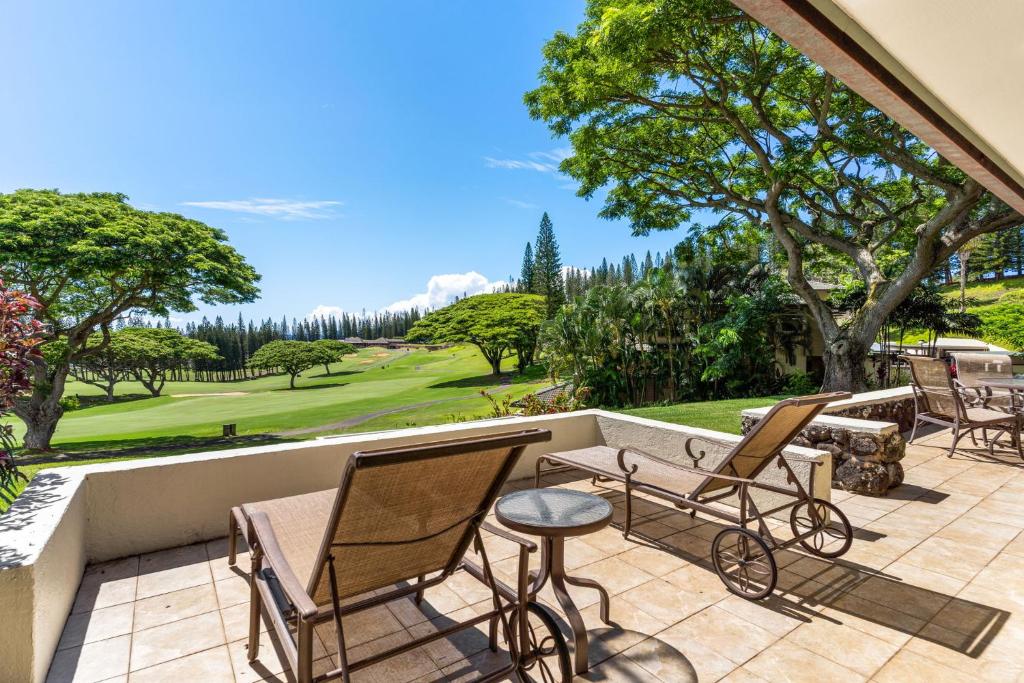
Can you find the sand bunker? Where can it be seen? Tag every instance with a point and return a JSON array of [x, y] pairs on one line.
[[381, 355], [366, 362], [215, 393]]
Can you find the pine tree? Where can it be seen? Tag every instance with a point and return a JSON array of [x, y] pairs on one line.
[[526, 273], [547, 267]]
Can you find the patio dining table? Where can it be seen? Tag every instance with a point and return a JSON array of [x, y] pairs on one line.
[[1015, 385]]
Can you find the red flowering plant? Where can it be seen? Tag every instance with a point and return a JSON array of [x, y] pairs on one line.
[[20, 336]]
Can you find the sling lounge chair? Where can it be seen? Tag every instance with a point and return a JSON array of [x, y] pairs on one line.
[[401, 521], [742, 557], [937, 400]]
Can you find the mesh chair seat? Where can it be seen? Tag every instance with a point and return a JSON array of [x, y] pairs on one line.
[[299, 523], [987, 415], [603, 460]]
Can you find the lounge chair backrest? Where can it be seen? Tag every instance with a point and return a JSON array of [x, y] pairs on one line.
[[405, 512], [973, 368], [934, 388], [774, 432]]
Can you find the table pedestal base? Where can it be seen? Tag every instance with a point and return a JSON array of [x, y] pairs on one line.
[[552, 566]]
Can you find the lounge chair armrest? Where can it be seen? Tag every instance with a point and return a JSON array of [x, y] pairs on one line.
[[687, 468], [530, 546], [263, 531]]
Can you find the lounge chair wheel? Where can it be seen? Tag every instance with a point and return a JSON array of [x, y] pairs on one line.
[[744, 563], [829, 525], [548, 660]]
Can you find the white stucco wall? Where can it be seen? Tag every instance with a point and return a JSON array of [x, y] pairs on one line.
[[69, 517]]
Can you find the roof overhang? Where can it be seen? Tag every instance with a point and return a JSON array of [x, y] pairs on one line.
[[947, 70]]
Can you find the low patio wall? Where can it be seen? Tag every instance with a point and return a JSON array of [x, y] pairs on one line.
[[70, 517], [863, 434]]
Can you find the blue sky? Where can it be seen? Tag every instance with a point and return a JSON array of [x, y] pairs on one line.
[[352, 151]]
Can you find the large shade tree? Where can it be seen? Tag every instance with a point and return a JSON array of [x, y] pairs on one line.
[[90, 259], [685, 106], [292, 357], [500, 325]]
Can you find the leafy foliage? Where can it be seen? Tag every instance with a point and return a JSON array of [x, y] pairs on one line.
[[498, 324], [293, 357], [1003, 322], [90, 259], [20, 335], [679, 106], [701, 327]]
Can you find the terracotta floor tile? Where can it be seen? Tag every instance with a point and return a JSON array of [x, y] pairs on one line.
[[723, 632], [911, 666], [655, 561], [91, 663], [236, 622], [100, 624], [168, 607], [107, 584], [619, 669], [668, 602], [775, 614], [176, 639], [232, 591], [961, 561], [671, 661], [627, 628], [209, 666], [400, 669], [170, 570], [359, 628], [789, 663], [844, 645]]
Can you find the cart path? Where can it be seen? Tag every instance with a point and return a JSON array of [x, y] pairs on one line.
[[360, 419]]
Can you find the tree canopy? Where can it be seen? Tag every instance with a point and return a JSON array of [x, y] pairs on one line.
[[91, 258], [689, 110], [334, 350], [497, 324], [293, 357], [149, 352]]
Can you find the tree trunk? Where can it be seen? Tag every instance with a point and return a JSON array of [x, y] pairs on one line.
[[327, 368], [291, 381], [844, 364], [41, 411]]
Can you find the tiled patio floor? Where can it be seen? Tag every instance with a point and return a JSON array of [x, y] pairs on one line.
[[931, 590]]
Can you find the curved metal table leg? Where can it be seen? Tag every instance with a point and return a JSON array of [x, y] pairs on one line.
[[590, 583], [556, 567]]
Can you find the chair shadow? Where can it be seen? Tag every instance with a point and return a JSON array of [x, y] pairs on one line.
[[808, 583]]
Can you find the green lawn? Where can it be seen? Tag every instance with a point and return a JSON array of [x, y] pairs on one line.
[[414, 388], [722, 416]]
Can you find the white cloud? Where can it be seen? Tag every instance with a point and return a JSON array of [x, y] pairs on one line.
[[325, 311], [519, 204], [442, 289], [286, 209], [544, 162]]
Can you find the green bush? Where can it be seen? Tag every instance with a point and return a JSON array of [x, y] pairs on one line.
[[799, 383], [69, 403]]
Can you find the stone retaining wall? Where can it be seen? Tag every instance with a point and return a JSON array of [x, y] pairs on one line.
[[863, 436], [898, 410]]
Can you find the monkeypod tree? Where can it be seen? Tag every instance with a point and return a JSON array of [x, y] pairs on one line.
[[291, 357], [497, 324], [149, 353], [680, 106], [90, 259], [333, 351]]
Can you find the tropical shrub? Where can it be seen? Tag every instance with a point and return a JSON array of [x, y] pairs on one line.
[[19, 350]]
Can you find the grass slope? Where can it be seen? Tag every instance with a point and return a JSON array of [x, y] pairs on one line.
[[448, 382], [722, 416]]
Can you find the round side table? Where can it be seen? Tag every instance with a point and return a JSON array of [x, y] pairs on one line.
[[554, 515]]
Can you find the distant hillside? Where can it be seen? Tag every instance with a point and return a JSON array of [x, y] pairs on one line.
[[1000, 305]]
